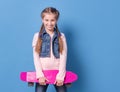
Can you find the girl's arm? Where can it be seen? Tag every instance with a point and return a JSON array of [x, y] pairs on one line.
[[36, 58], [63, 59]]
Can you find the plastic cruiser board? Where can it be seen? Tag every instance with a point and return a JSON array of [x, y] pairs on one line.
[[50, 75]]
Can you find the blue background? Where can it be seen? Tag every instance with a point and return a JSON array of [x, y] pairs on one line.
[[92, 29]]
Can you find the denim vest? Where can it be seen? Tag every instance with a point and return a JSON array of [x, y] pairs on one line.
[[46, 43]]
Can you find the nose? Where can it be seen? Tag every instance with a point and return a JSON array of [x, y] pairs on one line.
[[49, 23]]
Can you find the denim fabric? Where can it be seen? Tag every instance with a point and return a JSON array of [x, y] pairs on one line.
[[45, 49], [43, 88]]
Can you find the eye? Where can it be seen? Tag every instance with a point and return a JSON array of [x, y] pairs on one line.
[[53, 20], [46, 20]]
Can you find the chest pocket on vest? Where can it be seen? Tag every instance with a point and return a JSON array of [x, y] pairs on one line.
[[56, 44], [43, 47], [45, 44]]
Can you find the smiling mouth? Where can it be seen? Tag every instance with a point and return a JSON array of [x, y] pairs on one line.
[[49, 26]]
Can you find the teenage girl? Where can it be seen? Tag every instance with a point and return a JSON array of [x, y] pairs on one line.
[[49, 51]]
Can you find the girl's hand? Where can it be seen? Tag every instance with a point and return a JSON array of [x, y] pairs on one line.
[[59, 82], [42, 80]]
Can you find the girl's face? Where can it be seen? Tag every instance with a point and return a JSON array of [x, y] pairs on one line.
[[49, 21]]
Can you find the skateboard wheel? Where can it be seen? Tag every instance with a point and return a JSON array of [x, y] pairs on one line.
[[30, 84]]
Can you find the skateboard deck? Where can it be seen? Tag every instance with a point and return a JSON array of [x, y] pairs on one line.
[[50, 75]]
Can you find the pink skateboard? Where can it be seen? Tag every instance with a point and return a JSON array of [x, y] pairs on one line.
[[50, 75]]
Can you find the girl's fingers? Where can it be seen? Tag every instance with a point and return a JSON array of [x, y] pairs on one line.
[[46, 80], [55, 82], [43, 81], [58, 82]]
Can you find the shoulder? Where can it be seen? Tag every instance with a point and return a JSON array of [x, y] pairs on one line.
[[36, 34], [62, 35], [64, 39], [35, 38]]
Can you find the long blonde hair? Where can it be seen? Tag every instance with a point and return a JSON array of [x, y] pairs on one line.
[[39, 41]]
